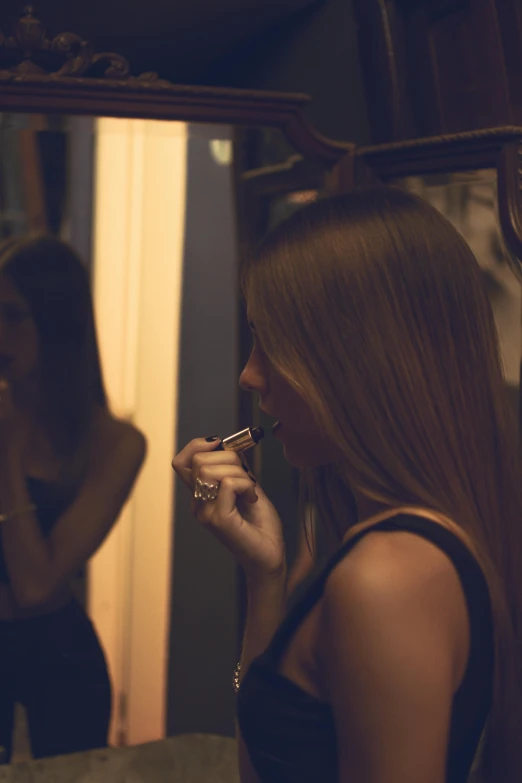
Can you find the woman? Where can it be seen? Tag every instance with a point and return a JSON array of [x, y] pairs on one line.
[[375, 346], [67, 466]]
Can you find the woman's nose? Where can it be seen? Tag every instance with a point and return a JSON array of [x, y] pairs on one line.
[[251, 378], [245, 381]]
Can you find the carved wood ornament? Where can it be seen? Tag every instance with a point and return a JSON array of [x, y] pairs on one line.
[[65, 75], [29, 52]]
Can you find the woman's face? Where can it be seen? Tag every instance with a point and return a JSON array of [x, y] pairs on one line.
[[19, 344], [303, 443]]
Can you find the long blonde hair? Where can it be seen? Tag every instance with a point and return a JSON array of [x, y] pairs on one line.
[[374, 309]]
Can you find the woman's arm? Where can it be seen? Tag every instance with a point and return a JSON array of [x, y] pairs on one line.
[[391, 657], [38, 567], [265, 611]]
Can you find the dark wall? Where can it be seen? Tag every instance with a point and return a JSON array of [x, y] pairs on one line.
[[151, 33], [316, 53], [203, 619]]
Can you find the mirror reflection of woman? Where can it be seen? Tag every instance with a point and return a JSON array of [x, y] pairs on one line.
[[374, 345], [67, 466]]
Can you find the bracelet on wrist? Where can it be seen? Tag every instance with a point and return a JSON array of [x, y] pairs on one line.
[[17, 512], [235, 680]]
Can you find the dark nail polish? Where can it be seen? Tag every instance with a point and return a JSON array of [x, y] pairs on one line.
[[212, 438]]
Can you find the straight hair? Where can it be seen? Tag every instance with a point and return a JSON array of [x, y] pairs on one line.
[[373, 308]]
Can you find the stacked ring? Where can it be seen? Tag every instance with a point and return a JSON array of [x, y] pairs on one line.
[[206, 491]]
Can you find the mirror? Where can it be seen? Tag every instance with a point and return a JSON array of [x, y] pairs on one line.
[[151, 208], [469, 200]]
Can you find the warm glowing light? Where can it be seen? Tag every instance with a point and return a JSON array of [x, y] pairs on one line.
[[138, 269]]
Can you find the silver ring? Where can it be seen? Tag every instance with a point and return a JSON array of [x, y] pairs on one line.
[[206, 491]]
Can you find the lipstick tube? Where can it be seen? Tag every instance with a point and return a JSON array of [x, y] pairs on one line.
[[242, 440]]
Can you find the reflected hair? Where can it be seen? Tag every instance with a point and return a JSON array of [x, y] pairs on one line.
[[373, 308], [54, 281]]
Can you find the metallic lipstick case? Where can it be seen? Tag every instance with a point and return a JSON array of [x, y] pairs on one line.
[[243, 440]]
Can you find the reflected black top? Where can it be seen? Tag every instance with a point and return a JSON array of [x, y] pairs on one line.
[[290, 735], [51, 500]]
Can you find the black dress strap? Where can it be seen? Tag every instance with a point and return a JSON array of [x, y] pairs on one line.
[[472, 578]]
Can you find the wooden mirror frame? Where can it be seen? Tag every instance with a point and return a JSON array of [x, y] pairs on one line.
[[492, 148], [64, 75]]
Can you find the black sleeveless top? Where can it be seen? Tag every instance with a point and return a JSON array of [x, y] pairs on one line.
[[290, 735], [51, 500]]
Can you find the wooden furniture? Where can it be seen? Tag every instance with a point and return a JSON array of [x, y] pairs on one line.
[[434, 67]]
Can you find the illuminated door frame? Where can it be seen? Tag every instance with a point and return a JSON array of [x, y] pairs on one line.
[[139, 218]]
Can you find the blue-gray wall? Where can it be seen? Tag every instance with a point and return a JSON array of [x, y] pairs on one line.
[[203, 633]]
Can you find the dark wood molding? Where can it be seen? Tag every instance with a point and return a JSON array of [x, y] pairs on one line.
[[455, 152], [493, 148], [509, 186], [383, 70], [297, 173], [64, 75], [433, 67]]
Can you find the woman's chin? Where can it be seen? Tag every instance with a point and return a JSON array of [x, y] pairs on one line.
[[301, 455], [298, 456]]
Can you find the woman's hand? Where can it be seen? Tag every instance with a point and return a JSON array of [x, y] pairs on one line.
[[250, 528]]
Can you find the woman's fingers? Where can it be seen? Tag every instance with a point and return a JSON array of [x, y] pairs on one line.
[[251, 531], [208, 462], [214, 473], [222, 514], [183, 463], [217, 474], [247, 523]]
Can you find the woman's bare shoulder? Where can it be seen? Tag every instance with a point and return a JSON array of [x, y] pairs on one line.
[[388, 659], [109, 431], [399, 552], [402, 575], [401, 564]]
